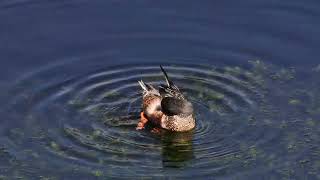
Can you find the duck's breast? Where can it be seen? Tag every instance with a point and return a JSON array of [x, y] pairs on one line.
[[178, 122]]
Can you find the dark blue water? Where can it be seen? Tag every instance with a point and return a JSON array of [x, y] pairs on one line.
[[70, 100]]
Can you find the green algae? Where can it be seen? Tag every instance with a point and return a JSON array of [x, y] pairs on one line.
[[209, 95], [214, 107], [97, 173], [258, 67], [96, 134], [80, 103], [294, 102], [54, 146], [235, 71], [112, 94], [253, 152], [212, 98], [311, 123], [284, 75], [257, 75]]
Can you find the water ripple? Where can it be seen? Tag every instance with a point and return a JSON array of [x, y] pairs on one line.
[[88, 121]]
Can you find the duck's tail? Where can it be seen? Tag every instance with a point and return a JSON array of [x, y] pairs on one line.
[[147, 88], [169, 83], [143, 85]]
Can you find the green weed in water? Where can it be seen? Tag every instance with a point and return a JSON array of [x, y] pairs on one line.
[[79, 103], [96, 133], [310, 122], [213, 107], [97, 173], [54, 146], [294, 102], [233, 70], [253, 152], [258, 67], [284, 75], [212, 95], [256, 76], [112, 94]]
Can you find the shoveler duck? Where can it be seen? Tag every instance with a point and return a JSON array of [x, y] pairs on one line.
[[166, 107]]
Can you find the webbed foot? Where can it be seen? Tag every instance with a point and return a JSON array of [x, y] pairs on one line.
[[142, 122]]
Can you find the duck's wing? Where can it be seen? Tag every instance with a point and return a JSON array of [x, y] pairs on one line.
[[170, 89]]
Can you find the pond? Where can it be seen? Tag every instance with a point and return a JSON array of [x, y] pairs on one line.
[[70, 100]]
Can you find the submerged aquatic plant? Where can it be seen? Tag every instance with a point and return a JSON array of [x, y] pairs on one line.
[[259, 67], [233, 70], [209, 95], [284, 75], [294, 101], [54, 146], [97, 173]]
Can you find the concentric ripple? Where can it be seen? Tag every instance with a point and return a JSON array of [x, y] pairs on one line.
[[86, 122]]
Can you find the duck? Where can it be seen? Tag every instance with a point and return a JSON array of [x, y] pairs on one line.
[[166, 107]]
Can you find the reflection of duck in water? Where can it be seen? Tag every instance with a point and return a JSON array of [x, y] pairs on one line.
[[177, 150], [166, 108]]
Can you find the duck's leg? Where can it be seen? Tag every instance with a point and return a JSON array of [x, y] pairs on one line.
[[142, 122]]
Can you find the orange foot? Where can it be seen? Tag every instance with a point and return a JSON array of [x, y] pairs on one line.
[[142, 122]]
